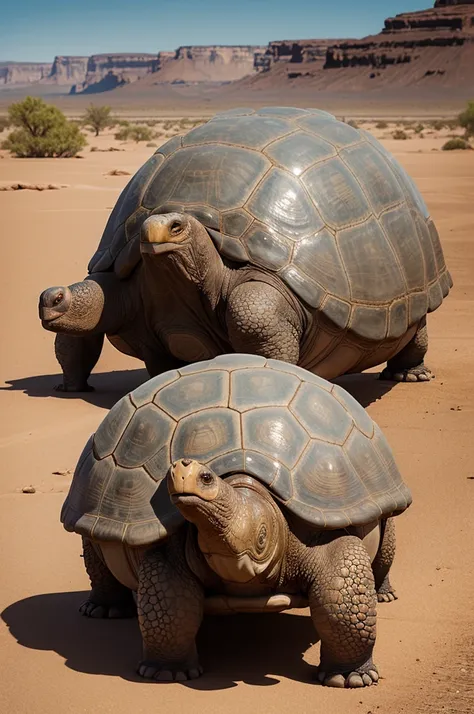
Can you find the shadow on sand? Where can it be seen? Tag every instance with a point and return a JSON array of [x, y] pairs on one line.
[[111, 386], [235, 648]]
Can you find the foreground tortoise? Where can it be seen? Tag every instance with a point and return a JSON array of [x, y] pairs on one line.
[[282, 232], [282, 491]]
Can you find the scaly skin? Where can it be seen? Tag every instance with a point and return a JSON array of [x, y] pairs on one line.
[[108, 598], [260, 321], [170, 611], [408, 365], [343, 608]]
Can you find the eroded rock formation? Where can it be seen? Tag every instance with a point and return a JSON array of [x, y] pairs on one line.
[[23, 72], [108, 71]]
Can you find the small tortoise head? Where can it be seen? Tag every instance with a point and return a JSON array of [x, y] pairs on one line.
[[75, 310], [241, 531], [178, 241]]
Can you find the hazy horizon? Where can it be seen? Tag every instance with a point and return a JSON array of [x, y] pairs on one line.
[[37, 33]]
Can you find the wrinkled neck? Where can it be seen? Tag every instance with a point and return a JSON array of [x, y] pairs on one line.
[[191, 269]]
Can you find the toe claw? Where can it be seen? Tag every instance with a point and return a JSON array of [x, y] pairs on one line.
[[354, 680], [367, 679]]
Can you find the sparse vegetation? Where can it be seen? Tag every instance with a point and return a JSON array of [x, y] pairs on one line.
[[456, 144], [400, 135], [352, 123], [135, 132], [381, 125], [43, 131], [97, 118], [419, 128], [438, 125], [466, 120], [4, 123]]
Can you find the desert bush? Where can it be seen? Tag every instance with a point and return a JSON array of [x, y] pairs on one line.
[[43, 131], [457, 143], [135, 132], [352, 123], [97, 118], [466, 120], [381, 125], [437, 124], [4, 123], [419, 128], [399, 134]]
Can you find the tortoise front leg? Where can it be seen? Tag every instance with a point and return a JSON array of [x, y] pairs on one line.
[[260, 321], [170, 611], [108, 597], [77, 356], [343, 608]]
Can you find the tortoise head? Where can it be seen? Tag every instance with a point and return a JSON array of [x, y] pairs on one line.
[[179, 241], [75, 309], [241, 531]]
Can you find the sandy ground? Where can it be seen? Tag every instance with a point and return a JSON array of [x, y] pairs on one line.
[[51, 659]]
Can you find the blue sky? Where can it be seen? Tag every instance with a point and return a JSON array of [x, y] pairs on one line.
[[36, 30]]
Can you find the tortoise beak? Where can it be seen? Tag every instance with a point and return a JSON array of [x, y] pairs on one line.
[[163, 233]]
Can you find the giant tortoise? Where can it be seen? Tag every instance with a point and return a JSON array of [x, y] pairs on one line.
[[282, 494], [281, 232]]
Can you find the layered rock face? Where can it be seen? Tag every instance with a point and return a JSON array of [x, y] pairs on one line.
[[68, 70], [210, 63], [445, 3], [23, 72], [425, 47], [108, 71]]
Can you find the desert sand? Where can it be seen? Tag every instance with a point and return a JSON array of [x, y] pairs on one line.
[[52, 659]]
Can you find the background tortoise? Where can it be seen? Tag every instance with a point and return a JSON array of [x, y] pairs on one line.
[[282, 232], [301, 517]]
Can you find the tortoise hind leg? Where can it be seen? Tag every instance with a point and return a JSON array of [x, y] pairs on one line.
[[383, 562], [108, 597], [408, 365]]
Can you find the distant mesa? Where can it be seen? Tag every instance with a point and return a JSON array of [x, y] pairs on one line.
[[445, 3], [432, 47]]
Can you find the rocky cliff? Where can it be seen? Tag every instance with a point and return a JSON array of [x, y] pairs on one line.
[[67, 70], [434, 45], [23, 72], [209, 63], [109, 71]]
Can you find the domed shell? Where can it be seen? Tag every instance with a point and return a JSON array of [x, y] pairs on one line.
[[303, 195], [309, 441]]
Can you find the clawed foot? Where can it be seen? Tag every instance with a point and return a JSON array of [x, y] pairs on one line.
[[82, 388], [363, 676], [414, 374], [386, 593], [112, 612], [163, 673]]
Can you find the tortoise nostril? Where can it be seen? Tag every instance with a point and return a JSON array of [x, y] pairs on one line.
[[185, 462]]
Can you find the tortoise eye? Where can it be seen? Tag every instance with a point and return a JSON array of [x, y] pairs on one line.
[[207, 478], [58, 299]]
